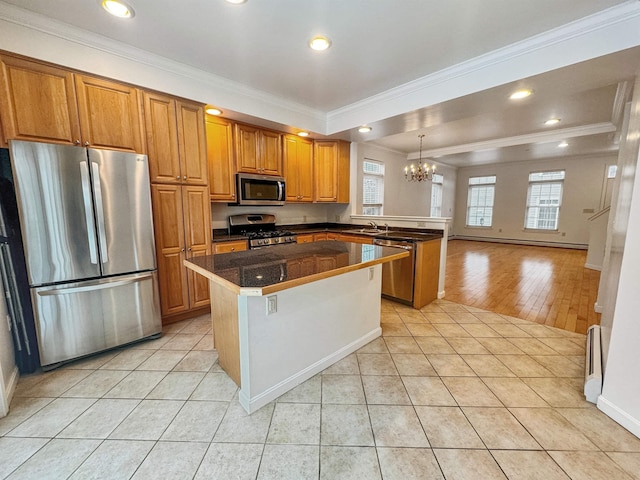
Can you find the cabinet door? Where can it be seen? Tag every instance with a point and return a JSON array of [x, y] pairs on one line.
[[109, 114], [298, 168], [247, 148], [169, 232], [305, 170], [220, 159], [326, 171], [162, 138], [197, 226], [38, 102], [307, 238], [270, 153], [192, 143]]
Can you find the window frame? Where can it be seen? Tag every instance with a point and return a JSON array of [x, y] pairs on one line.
[[544, 208], [378, 207], [483, 182], [437, 181]]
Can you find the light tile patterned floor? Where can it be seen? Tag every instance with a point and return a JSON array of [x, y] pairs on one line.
[[448, 392]]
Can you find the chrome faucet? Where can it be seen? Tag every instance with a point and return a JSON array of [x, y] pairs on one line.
[[386, 228], [374, 225]]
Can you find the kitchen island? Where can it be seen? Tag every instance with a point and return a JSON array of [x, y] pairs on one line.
[[284, 313]]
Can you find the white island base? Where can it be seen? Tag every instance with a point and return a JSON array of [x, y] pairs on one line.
[[315, 325]]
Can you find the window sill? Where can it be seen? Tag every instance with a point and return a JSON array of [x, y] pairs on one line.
[[540, 230], [474, 227]]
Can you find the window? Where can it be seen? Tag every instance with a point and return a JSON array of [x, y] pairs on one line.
[[436, 195], [372, 187], [611, 171], [480, 201], [543, 200]]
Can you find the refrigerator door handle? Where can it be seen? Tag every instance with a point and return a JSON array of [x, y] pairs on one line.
[[88, 212], [99, 285], [97, 190]]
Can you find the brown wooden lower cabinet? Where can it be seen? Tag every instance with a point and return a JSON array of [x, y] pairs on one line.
[[182, 227]]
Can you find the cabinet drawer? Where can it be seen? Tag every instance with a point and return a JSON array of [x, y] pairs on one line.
[[225, 247]]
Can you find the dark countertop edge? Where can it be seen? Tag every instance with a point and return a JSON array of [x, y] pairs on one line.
[[222, 235], [270, 289]]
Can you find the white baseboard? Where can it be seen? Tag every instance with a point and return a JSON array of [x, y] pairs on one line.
[[253, 404], [598, 308], [7, 394], [517, 241], [591, 266], [441, 294], [623, 418]]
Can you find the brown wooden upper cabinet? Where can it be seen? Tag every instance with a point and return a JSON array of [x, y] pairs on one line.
[[176, 140], [298, 168], [44, 103], [220, 159], [331, 169], [258, 151]]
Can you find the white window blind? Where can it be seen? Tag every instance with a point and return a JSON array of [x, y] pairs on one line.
[[544, 198], [372, 187], [480, 201], [436, 195]]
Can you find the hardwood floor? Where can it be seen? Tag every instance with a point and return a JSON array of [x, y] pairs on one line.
[[542, 284]]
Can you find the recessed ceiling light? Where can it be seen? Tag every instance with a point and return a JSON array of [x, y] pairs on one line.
[[319, 43], [118, 8], [520, 94], [236, 2], [213, 111], [552, 121], [563, 145], [303, 134], [364, 129]]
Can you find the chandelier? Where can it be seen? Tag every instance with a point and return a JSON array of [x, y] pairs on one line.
[[421, 172]]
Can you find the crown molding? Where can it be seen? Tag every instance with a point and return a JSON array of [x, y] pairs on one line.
[[33, 21], [538, 137], [396, 101]]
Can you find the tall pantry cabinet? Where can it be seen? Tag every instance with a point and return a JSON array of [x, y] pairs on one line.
[[176, 143]]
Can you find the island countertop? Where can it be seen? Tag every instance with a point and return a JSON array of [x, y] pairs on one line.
[[268, 270]]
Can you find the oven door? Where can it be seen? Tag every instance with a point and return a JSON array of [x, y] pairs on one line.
[[260, 190]]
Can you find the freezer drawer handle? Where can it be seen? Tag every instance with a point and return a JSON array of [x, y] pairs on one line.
[[99, 212], [94, 286], [88, 212]]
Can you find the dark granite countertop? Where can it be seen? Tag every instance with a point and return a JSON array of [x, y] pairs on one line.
[[268, 270], [222, 235]]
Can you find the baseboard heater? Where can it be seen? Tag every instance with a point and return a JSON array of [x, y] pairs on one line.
[[593, 365]]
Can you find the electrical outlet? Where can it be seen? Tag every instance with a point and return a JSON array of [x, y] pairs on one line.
[[272, 304], [371, 273], [422, 224]]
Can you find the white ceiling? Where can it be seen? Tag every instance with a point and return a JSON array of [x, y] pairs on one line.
[[379, 46]]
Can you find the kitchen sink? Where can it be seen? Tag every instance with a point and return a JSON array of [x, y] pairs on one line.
[[367, 230]]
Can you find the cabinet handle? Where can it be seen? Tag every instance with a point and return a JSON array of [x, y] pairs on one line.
[[233, 249], [182, 250], [86, 144], [184, 178], [77, 142], [177, 177]]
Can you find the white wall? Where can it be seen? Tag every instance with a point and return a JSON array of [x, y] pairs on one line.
[[582, 191], [401, 197], [8, 369], [620, 279]]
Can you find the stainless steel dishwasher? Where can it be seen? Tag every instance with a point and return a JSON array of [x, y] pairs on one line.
[[397, 276]]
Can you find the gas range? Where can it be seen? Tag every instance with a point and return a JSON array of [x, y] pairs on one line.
[[260, 229]]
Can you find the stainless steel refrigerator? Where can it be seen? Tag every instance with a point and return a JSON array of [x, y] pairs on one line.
[[87, 231]]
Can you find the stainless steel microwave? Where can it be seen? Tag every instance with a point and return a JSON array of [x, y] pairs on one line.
[[260, 190]]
